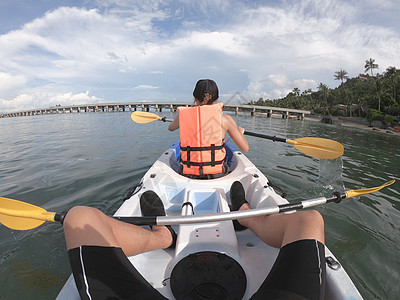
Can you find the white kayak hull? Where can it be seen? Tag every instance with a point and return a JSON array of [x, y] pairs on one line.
[[252, 258]]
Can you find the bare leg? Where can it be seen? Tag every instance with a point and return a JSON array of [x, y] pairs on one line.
[[90, 227], [281, 229]]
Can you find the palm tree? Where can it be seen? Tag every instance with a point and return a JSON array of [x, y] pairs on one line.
[[296, 91], [341, 75], [370, 65]]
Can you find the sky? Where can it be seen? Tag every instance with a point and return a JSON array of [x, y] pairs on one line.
[[64, 52]]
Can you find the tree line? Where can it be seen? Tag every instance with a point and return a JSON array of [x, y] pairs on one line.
[[374, 96]]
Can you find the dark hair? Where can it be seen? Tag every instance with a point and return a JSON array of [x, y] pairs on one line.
[[206, 91]]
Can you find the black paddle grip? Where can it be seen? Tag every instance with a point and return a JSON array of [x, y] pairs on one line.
[[138, 220], [60, 217]]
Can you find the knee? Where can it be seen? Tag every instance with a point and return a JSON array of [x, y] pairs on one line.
[[79, 216], [315, 217], [311, 220]]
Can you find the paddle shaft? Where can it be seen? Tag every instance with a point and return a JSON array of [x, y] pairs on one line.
[[264, 136], [164, 119], [260, 135], [234, 215], [23, 216], [188, 219]]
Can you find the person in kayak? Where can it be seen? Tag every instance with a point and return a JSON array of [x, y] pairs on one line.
[[202, 132], [99, 246]]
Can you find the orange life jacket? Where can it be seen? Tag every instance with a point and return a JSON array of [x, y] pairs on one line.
[[202, 143]]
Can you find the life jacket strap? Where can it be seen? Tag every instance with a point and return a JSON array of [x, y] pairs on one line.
[[200, 164], [211, 148]]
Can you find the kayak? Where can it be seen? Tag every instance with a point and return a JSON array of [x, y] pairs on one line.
[[239, 261]]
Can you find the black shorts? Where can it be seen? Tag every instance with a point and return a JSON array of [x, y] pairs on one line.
[[298, 273], [106, 273]]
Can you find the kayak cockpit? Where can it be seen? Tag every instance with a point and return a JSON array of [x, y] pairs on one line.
[[175, 159]]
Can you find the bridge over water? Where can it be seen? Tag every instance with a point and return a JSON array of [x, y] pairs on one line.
[[157, 106]]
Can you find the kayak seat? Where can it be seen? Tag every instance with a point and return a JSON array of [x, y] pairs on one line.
[[208, 275]]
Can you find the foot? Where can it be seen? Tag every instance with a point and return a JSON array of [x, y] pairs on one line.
[[237, 199], [152, 206]]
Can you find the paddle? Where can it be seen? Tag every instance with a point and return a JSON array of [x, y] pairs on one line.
[[23, 216], [142, 117], [311, 146]]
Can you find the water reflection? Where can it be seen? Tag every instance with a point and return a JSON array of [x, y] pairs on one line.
[[58, 161]]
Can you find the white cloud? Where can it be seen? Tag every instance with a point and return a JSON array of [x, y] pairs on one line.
[[10, 84], [228, 43], [145, 87], [277, 85], [157, 50], [312, 40], [305, 84], [44, 100], [76, 40], [278, 81]]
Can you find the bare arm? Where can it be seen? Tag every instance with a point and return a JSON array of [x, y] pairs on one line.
[[174, 124], [235, 132]]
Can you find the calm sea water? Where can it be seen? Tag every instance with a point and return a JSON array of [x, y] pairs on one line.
[[59, 161]]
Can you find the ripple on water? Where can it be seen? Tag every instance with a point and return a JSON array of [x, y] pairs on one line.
[[58, 161]]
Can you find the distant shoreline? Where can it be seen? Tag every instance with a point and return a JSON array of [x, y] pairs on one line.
[[355, 123], [360, 123]]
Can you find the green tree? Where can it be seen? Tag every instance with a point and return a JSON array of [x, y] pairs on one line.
[[375, 115], [308, 100], [296, 91], [392, 75], [380, 92], [341, 75], [324, 89], [370, 65]]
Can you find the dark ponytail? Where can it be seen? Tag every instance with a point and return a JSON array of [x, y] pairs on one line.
[[206, 91]]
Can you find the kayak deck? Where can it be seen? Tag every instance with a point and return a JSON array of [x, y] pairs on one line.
[[254, 258]]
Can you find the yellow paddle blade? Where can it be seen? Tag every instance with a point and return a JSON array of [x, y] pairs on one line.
[[353, 193], [22, 216], [318, 147], [142, 117]]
